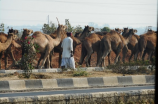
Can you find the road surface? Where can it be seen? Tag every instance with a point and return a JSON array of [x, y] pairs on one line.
[[76, 91]]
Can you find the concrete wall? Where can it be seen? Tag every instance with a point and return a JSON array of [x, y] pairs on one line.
[[90, 98]]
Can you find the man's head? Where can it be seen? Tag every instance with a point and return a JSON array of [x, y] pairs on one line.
[[69, 34]]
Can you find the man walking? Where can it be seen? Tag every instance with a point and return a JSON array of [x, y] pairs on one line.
[[67, 54]]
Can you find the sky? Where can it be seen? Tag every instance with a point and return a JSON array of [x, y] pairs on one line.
[[115, 13]]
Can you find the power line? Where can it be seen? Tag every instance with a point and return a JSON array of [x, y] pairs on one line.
[[95, 3], [75, 21], [87, 13]]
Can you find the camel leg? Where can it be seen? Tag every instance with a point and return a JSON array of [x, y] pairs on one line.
[[50, 58], [88, 56], [149, 55], [143, 54], [135, 56], [89, 60], [130, 56], [103, 52], [125, 50], [60, 58], [0, 59], [46, 56], [109, 58], [40, 60], [98, 57], [83, 55], [13, 64], [47, 64], [117, 53], [6, 60]]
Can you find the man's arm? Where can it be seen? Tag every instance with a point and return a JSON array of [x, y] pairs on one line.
[[71, 47]]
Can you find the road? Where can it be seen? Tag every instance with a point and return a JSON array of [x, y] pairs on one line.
[[75, 91]]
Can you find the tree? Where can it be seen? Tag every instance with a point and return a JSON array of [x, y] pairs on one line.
[[49, 28], [2, 27], [106, 29], [78, 29]]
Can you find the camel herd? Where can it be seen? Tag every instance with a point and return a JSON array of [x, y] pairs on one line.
[[103, 43]]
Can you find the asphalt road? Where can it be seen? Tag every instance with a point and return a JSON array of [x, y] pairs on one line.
[[75, 91]]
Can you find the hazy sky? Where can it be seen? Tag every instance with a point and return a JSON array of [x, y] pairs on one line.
[[116, 13]]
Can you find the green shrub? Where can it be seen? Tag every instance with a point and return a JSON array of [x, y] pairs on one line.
[[26, 63], [79, 71]]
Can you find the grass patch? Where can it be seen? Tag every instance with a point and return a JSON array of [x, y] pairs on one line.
[[80, 73]]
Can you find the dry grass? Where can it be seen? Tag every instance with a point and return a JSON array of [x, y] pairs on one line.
[[69, 74]]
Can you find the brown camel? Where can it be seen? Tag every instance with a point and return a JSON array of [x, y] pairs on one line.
[[76, 40], [113, 41], [11, 48], [132, 45], [56, 48], [147, 43], [90, 45], [6, 44], [46, 44]]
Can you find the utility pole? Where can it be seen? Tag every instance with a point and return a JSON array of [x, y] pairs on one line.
[[48, 19], [67, 23]]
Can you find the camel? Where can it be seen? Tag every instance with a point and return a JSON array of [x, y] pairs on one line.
[[15, 44], [6, 44], [46, 44], [132, 45], [11, 48], [147, 43], [90, 45], [76, 40], [113, 41]]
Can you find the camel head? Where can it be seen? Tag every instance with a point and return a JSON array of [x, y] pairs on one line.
[[27, 32], [10, 31], [64, 27], [131, 31], [149, 30], [90, 28], [125, 31], [135, 31], [15, 31], [118, 30]]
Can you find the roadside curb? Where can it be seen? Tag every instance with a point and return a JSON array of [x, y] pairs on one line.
[[24, 85]]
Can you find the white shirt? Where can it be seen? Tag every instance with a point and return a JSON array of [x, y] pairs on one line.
[[67, 45]]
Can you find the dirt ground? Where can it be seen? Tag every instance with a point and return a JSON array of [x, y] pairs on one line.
[[69, 74], [77, 54]]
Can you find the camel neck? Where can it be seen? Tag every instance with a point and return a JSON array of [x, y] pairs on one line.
[[4, 46]]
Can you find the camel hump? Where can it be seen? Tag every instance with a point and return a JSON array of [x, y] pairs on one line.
[[37, 33], [113, 32]]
